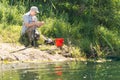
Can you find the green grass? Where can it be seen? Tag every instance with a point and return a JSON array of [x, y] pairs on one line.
[[105, 41], [10, 33]]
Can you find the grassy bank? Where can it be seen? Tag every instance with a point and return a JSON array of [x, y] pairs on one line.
[[90, 27]]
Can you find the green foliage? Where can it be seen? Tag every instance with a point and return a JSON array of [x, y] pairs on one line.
[[55, 27], [110, 39], [81, 22], [1, 15], [11, 14], [76, 52], [10, 33]]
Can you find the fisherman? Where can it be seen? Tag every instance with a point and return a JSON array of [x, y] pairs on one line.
[[30, 25]]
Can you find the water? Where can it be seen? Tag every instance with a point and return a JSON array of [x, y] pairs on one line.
[[61, 71]]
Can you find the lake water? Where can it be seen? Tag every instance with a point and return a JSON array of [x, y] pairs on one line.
[[61, 71]]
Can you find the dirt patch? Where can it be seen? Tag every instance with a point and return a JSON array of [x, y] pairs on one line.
[[13, 52]]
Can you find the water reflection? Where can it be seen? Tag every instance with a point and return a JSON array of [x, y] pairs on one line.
[[28, 75], [89, 72], [66, 71], [58, 72]]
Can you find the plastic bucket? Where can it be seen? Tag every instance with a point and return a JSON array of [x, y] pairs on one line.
[[59, 42]]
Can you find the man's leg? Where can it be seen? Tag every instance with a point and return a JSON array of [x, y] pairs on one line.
[[24, 39], [29, 33], [36, 37]]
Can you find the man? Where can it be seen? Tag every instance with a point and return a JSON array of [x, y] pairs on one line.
[[30, 24]]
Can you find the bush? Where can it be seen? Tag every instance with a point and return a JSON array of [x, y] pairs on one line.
[[10, 34], [81, 22], [110, 38]]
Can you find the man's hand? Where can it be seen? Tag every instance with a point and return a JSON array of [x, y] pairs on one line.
[[33, 24], [39, 23]]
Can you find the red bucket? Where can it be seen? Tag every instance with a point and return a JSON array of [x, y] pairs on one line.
[[59, 42]]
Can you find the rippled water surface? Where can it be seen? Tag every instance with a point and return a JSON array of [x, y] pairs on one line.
[[61, 71]]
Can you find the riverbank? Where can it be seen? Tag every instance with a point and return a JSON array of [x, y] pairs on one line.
[[10, 52]]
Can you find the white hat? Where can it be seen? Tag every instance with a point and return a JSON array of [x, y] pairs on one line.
[[34, 8]]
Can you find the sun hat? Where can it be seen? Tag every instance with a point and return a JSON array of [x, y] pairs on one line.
[[34, 8]]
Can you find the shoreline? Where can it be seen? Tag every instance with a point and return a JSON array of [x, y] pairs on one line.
[[13, 53], [10, 52], [17, 65]]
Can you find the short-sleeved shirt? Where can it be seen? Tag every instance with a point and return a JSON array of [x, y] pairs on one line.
[[27, 18]]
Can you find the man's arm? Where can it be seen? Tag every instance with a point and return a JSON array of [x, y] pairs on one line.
[[30, 24], [37, 24]]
